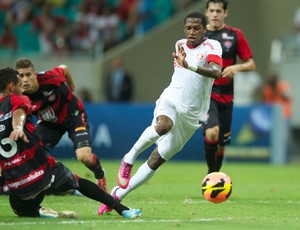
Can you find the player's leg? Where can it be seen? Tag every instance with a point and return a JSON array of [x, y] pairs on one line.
[[211, 142], [92, 191], [219, 158], [148, 137], [211, 131], [65, 180], [92, 162], [144, 173], [224, 134], [151, 134], [26, 208], [162, 126], [162, 123], [80, 135], [31, 207], [166, 148], [48, 134]]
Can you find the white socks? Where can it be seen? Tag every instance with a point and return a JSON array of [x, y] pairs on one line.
[[143, 174], [148, 137]]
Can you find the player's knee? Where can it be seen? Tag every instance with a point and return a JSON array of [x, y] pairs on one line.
[[162, 130], [163, 126], [83, 156], [212, 134]]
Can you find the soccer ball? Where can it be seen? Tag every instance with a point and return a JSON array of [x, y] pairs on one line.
[[216, 187]]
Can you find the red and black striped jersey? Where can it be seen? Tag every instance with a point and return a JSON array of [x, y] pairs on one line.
[[25, 166], [54, 101], [234, 44]]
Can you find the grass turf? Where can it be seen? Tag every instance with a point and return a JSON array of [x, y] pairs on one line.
[[264, 196]]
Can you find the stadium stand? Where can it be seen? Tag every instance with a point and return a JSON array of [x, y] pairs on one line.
[[64, 27]]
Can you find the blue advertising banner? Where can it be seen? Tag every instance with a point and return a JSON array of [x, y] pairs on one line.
[[251, 136], [116, 127]]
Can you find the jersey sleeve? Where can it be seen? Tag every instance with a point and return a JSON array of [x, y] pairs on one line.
[[20, 102], [60, 72], [215, 53], [54, 76], [243, 47]]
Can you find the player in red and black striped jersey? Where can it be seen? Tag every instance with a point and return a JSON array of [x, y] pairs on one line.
[[20, 178], [217, 128], [59, 111], [28, 170]]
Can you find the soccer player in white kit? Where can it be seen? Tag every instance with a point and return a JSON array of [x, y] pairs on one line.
[[185, 102]]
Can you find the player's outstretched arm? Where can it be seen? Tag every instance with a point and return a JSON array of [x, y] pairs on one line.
[[212, 69], [68, 77]]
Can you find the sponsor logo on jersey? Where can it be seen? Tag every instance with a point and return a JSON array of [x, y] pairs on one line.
[[47, 114], [81, 134], [15, 161], [227, 44], [200, 56], [225, 36], [27, 180]]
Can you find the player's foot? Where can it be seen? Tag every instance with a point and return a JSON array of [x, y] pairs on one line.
[[102, 183], [104, 209], [124, 174], [50, 213], [131, 213], [47, 213]]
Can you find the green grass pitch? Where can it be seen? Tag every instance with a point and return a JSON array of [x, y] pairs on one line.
[[264, 197]]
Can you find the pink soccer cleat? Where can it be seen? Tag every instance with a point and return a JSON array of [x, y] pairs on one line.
[[104, 209], [124, 174]]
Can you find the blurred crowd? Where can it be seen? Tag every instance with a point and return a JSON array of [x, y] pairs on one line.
[[88, 27]]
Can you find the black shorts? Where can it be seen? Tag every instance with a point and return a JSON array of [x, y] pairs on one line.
[[77, 128], [64, 181], [220, 115]]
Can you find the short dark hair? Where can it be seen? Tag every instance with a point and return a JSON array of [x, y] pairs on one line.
[[224, 2], [23, 63], [196, 14], [7, 75]]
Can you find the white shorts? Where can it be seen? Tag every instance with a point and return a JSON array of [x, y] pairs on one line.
[[184, 126]]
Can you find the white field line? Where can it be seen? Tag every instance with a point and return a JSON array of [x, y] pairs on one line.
[[66, 222]]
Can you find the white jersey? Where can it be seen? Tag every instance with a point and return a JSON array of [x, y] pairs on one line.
[[186, 100], [190, 90]]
